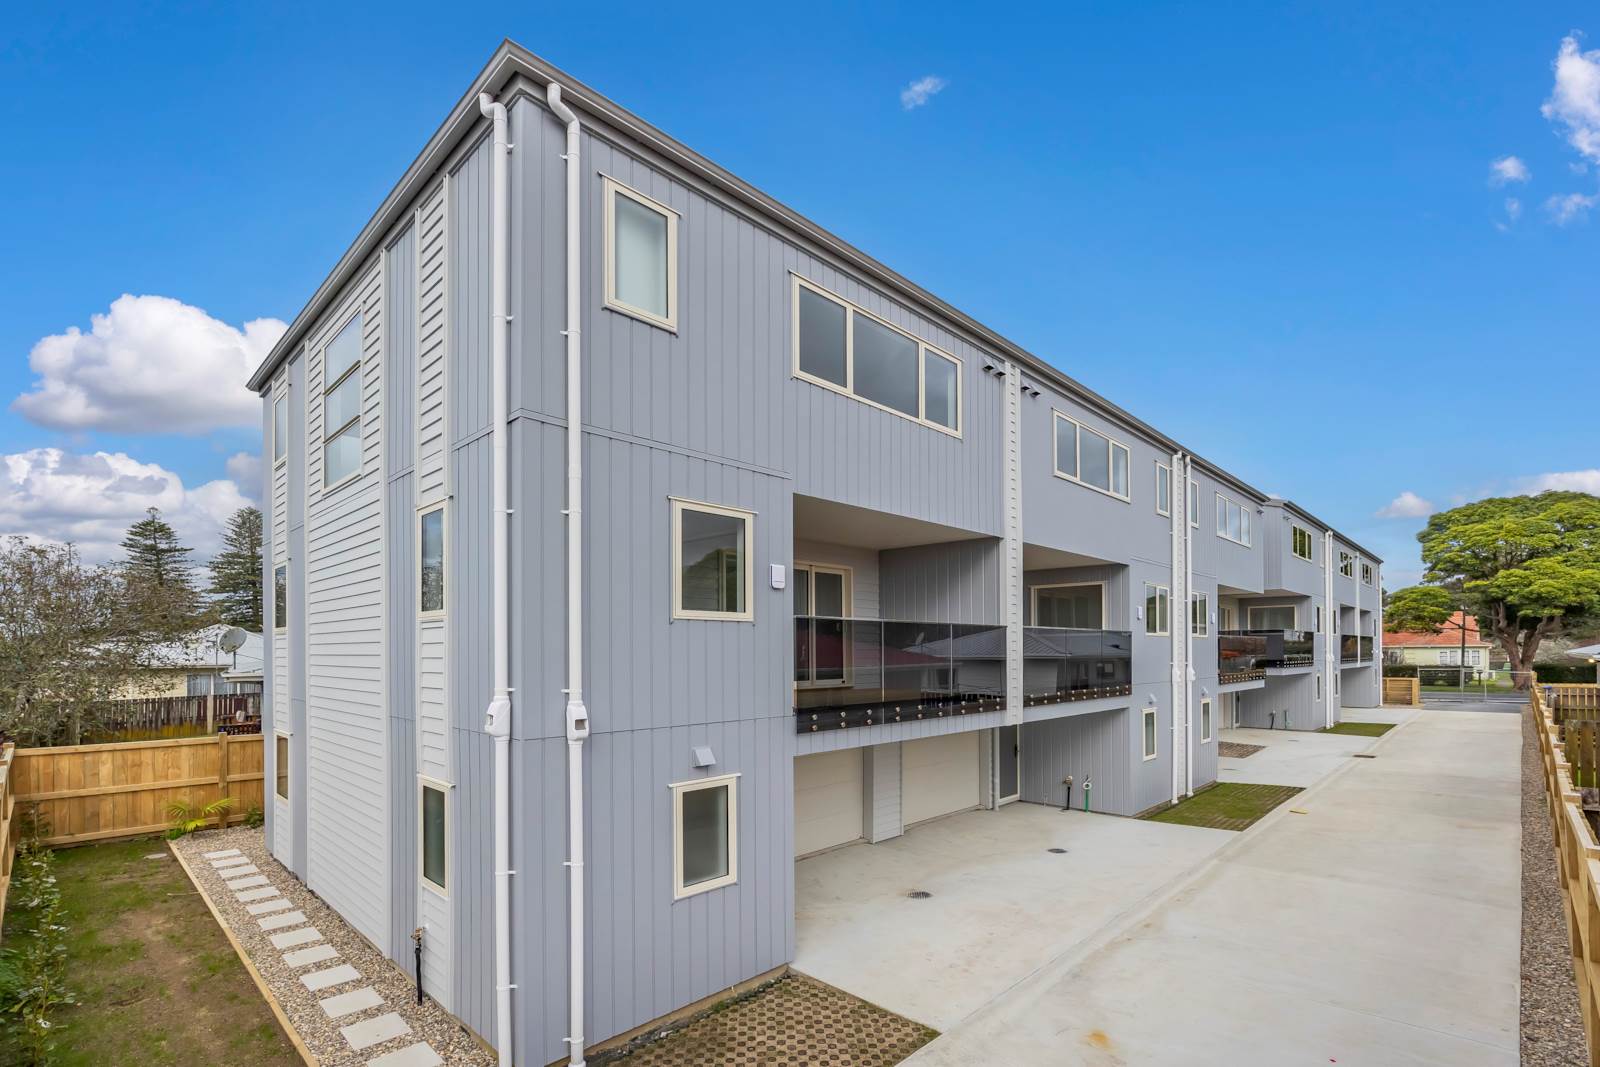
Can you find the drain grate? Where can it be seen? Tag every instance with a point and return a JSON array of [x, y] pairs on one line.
[[1057, 851], [919, 894]]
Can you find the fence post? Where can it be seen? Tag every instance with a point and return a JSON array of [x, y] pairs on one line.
[[222, 773], [211, 713]]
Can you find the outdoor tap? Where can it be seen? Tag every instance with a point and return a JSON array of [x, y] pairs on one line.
[[1067, 781], [416, 941]]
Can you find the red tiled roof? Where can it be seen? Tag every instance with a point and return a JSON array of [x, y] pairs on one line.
[[1449, 636]]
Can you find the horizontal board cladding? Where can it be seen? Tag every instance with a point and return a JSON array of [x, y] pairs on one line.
[[432, 699], [467, 282], [722, 384], [400, 358], [431, 432]]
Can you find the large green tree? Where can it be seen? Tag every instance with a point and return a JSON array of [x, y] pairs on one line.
[[1526, 566], [236, 571], [159, 588]]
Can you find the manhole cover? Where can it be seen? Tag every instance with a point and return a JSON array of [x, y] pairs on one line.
[[1058, 851], [919, 894]]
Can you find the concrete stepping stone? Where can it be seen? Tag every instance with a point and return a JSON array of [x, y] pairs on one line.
[[239, 871], [331, 977], [374, 1031], [247, 895], [349, 1003], [223, 852], [247, 883], [303, 936], [305, 956], [419, 1055], [278, 922], [231, 862], [275, 904]]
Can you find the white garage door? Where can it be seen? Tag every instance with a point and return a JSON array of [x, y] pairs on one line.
[[827, 800], [939, 775]]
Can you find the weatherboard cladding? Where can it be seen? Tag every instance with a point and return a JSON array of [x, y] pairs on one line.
[[296, 631], [1097, 746]]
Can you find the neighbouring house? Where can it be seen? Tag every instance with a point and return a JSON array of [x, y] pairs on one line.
[[199, 666], [1442, 649], [630, 535]]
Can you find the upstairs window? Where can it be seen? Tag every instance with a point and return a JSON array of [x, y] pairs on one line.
[[1200, 614], [1300, 542], [280, 598], [1233, 521], [711, 562], [341, 405], [1163, 489], [280, 430], [1090, 458], [1156, 607], [430, 555], [641, 256], [1194, 503], [850, 350], [1347, 564], [1366, 574]]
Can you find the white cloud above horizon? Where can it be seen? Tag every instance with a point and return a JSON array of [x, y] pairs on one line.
[[1582, 481], [91, 498], [1508, 169], [1569, 208], [1575, 99], [921, 91], [1407, 505], [148, 364], [244, 470]]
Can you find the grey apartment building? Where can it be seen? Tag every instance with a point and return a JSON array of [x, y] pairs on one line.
[[631, 536]]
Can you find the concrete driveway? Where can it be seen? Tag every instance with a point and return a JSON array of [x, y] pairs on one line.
[[1380, 928], [1300, 757]]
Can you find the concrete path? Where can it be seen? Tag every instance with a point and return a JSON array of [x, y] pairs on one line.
[[1382, 927], [1291, 757]]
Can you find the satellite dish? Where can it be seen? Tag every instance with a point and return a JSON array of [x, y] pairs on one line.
[[232, 639]]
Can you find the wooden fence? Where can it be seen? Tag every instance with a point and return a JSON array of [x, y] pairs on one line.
[[177, 716], [1572, 701], [1576, 849], [8, 844], [83, 793], [1405, 691]]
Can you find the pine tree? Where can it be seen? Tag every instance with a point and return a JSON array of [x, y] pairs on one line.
[[236, 571], [160, 590]]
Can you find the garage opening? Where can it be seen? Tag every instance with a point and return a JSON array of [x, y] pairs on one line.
[[827, 800]]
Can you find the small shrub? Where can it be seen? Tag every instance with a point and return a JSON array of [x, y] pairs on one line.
[[186, 819], [1399, 670], [1564, 673], [33, 977], [254, 817]]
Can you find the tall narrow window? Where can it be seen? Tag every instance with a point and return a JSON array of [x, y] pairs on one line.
[[1366, 574], [430, 537], [1163, 489], [280, 765], [705, 824], [341, 405], [280, 598], [1149, 733], [1156, 606], [1205, 720], [1347, 564], [641, 256], [280, 429], [941, 389], [1090, 458], [433, 827], [1200, 614], [1301, 539], [1194, 503], [711, 565]]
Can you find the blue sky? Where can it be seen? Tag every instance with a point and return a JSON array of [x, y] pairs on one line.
[[1272, 230]]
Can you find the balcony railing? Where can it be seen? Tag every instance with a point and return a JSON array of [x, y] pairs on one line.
[[1355, 649], [863, 672], [1263, 650], [1237, 658]]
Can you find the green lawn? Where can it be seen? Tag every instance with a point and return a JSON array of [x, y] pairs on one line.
[[1358, 729], [1227, 805], [155, 981]]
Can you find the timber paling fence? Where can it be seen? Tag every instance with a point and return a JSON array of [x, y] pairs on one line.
[[1570, 748], [188, 714]]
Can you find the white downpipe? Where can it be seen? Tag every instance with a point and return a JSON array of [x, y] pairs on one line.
[[1330, 629], [498, 716], [577, 714], [1188, 638], [1177, 605]]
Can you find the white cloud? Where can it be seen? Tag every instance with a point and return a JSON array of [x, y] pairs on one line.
[[1407, 505], [244, 469], [1587, 481], [148, 364], [1513, 208], [1508, 169], [1573, 207], [921, 91], [92, 498], [1575, 101]]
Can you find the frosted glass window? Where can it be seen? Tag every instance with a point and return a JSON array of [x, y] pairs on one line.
[[433, 835], [641, 252], [1149, 733], [341, 404], [431, 553], [705, 835], [341, 455], [885, 365], [822, 337], [939, 389], [343, 352]]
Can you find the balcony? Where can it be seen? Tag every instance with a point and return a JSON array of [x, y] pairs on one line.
[[866, 672], [1355, 649], [1245, 651]]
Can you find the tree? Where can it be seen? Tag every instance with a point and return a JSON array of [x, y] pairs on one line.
[[1526, 566], [159, 587], [1419, 608], [236, 571]]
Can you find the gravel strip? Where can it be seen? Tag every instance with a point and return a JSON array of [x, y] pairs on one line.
[[1552, 1028], [429, 1022]]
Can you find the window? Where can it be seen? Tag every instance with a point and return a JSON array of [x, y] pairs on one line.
[[852, 351], [430, 556], [1200, 614], [711, 563], [1149, 732], [1194, 503], [280, 598], [432, 832], [1074, 607], [1319, 685], [1163, 489], [1281, 617], [1318, 610], [1300, 539], [1366, 574], [280, 763], [1155, 608], [1474, 657], [1347, 564], [641, 256], [341, 405], [280, 430], [705, 835], [822, 654], [1449, 657], [1205, 720], [1233, 521], [1090, 458]]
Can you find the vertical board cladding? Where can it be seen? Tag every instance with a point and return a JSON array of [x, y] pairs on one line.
[[1286, 702], [1091, 747], [347, 770], [1152, 778], [1285, 570], [958, 581], [536, 794], [1237, 566], [882, 817], [467, 286], [1205, 751], [865, 601]]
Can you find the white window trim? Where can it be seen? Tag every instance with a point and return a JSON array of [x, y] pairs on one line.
[[1295, 528], [425, 781], [1347, 564], [1207, 725], [1223, 504], [283, 401], [444, 546], [288, 737], [848, 388], [1078, 428], [811, 567], [613, 189], [1194, 503], [356, 368], [1154, 735], [679, 890], [679, 504], [1202, 600], [1033, 601], [1249, 612], [280, 623], [1162, 468], [1366, 574], [1163, 594]]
